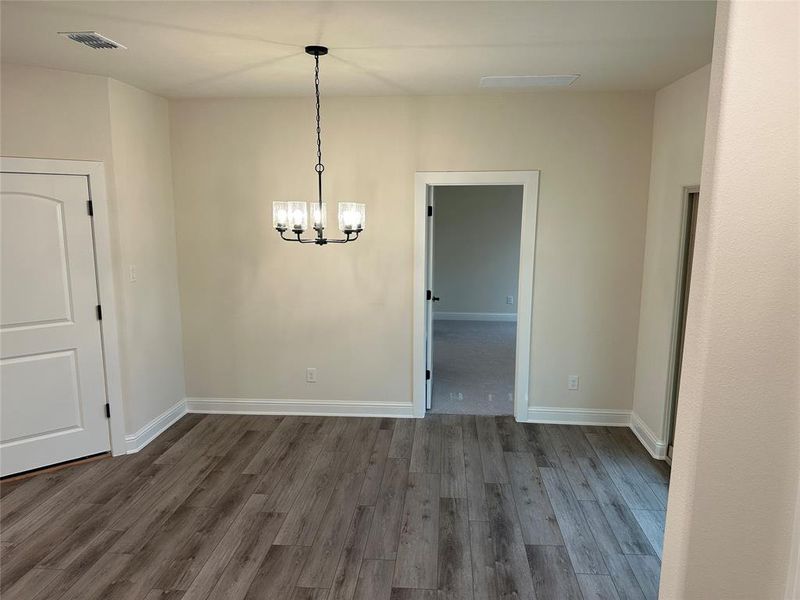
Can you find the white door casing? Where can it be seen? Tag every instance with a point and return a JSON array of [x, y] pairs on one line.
[[529, 180], [53, 348]]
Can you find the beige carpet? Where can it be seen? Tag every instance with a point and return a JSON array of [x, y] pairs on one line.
[[473, 367]]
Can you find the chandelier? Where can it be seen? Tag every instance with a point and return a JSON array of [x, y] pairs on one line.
[[291, 219]]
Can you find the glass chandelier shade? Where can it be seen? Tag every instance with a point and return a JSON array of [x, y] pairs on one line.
[[296, 216], [280, 216], [319, 214], [352, 217], [293, 217]]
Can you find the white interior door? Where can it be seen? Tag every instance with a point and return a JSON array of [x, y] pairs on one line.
[[430, 295], [52, 385]]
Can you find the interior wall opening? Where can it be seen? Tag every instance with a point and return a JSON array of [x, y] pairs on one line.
[[474, 272]]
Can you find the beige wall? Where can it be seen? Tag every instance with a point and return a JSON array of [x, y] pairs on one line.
[[476, 248], [56, 114], [153, 370], [737, 454], [678, 129], [258, 311]]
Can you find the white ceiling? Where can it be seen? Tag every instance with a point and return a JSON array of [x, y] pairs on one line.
[[230, 48]]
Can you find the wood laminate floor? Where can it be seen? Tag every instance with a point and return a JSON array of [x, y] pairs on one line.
[[310, 508]]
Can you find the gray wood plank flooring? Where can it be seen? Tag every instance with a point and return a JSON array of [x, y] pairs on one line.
[[334, 508]]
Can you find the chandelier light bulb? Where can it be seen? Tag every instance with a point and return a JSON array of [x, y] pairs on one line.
[[280, 216], [352, 217], [298, 216], [319, 217]]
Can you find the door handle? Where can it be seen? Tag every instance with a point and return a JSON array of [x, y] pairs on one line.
[[436, 298]]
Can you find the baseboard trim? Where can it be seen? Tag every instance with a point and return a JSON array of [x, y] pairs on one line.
[[466, 316], [341, 408], [579, 416], [323, 408], [656, 447], [136, 441]]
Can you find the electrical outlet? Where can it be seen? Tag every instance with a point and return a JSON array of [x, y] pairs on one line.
[[573, 382], [131, 273], [509, 299], [311, 375]]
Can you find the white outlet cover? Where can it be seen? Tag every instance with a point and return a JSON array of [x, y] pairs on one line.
[[573, 382], [311, 375], [509, 299]]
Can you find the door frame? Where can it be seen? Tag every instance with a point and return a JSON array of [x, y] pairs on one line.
[[430, 244], [678, 318], [529, 180], [94, 171]]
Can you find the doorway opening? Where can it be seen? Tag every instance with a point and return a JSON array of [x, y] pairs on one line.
[[689, 224], [480, 326], [473, 273]]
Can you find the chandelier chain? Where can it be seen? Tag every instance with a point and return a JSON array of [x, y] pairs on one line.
[[319, 129]]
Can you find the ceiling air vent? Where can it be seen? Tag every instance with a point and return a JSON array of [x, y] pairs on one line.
[[527, 81], [92, 39]]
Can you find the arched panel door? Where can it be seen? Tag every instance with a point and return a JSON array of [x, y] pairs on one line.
[[52, 385]]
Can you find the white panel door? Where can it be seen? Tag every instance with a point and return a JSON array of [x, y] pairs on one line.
[[52, 385]]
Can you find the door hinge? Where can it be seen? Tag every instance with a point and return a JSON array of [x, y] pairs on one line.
[[99, 310], [428, 295], [430, 211], [108, 410], [427, 374], [90, 208]]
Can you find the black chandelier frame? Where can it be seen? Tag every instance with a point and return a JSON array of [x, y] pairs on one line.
[[319, 239]]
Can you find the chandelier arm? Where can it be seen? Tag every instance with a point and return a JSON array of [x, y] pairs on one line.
[[350, 237], [346, 239], [298, 238]]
